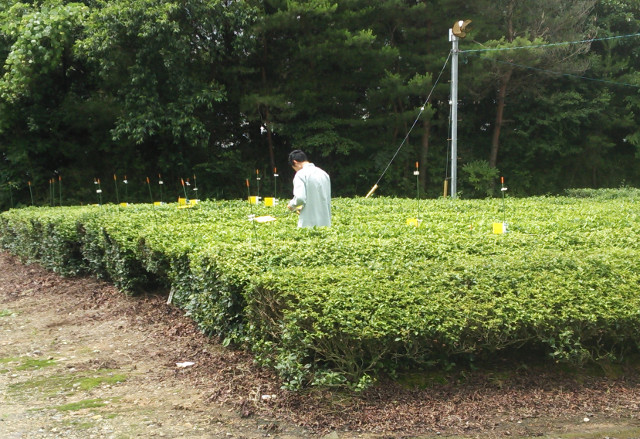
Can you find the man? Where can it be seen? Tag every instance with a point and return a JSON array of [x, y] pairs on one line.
[[311, 192]]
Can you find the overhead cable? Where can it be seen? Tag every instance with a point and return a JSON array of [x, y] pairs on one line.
[[375, 186]]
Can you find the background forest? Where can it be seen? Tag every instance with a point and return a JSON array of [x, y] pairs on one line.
[[144, 91]]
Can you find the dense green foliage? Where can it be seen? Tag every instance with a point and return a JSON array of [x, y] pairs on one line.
[[215, 88], [371, 294]]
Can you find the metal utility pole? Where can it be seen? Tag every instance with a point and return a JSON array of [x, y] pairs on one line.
[[455, 34], [454, 113]]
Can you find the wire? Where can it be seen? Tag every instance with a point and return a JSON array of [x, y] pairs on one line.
[[569, 75], [564, 43], [495, 50], [414, 122]]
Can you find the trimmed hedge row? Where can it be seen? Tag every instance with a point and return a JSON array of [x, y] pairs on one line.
[[336, 306]]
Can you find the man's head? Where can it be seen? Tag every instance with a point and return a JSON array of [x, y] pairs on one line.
[[297, 158]]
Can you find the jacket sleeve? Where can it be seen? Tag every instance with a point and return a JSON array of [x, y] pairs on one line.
[[299, 192]]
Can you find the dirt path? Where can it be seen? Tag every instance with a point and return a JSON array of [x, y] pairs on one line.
[[80, 360]]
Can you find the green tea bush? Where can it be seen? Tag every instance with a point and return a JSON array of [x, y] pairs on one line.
[[47, 236], [623, 192], [371, 294]]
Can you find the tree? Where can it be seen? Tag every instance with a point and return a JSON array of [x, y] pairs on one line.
[[222, 88], [35, 88], [618, 62], [165, 64], [346, 80], [522, 25]]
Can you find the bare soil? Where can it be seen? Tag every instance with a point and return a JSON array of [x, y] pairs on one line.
[[78, 359]]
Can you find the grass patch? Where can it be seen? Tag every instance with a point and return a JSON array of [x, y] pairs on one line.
[[57, 384], [26, 363], [6, 360], [5, 313], [48, 385], [33, 363], [88, 383], [80, 405], [79, 425]]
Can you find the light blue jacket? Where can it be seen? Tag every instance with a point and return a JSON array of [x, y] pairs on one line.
[[312, 193]]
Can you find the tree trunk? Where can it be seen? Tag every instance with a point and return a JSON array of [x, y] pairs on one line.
[[267, 124], [495, 141], [267, 114], [502, 92]]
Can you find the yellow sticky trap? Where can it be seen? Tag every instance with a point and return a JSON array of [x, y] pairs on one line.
[[254, 200], [499, 228], [269, 201], [414, 222], [158, 203], [183, 203], [124, 204]]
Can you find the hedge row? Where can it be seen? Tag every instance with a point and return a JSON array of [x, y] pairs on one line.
[[336, 306]]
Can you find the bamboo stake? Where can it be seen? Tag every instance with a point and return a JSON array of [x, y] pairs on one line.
[[417, 174], [149, 186], [96, 181], [373, 189], [115, 182], [275, 184], [30, 191], [186, 199], [195, 186], [258, 185], [51, 192], [252, 216]]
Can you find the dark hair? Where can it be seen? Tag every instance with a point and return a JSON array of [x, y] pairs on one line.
[[298, 156]]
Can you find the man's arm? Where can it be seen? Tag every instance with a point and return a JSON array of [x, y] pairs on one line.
[[299, 193]]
